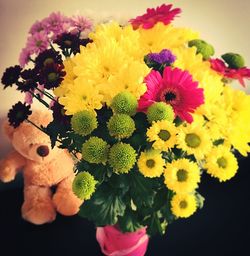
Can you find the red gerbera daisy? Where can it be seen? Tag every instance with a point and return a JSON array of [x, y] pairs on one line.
[[162, 14], [231, 73], [176, 88]]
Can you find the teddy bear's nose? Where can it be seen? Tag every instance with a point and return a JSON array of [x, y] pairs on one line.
[[42, 150]]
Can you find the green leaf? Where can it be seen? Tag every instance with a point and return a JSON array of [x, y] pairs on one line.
[[104, 206], [141, 190], [200, 200], [154, 224], [129, 222]]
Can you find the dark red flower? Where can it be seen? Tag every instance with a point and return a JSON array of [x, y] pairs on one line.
[[18, 113], [10, 76]]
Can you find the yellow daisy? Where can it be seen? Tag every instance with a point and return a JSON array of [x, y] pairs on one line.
[[194, 139], [182, 176], [163, 134], [183, 205], [151, 164], [221, 163]]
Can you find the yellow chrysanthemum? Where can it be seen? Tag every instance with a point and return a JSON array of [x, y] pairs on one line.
[[183, 205], [151, 163], [81, 96], [67, 79], [164, 37], [238, 128], [194, 139], [126, 37], [209, 80], [182, 176], [130, 78], [221, 163], [163, 134]]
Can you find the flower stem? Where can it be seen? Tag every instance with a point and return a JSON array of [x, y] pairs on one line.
[[40, 99], [46, 94]]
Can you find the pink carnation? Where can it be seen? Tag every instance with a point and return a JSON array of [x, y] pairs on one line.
[[176, 88], [231, 73], [162, 14]]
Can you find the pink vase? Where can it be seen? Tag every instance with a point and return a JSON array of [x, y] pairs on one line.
[[115, 243]]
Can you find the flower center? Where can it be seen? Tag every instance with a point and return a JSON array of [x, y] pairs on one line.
[[19, 115], [67, 42], [52, 76], [170, 96], [182, 175], [164, 135], [150, 163], [193, 140], [222, 162], [48, 61], [38, 43], [183, 204]]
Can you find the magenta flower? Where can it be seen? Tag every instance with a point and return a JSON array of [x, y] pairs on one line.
[[162, 14], [176, 88], [79, 24], [24, 57], [56, 23], [38, 42], [38, 26], [239, 74]]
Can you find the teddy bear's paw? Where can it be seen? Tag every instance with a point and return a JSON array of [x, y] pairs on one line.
[[66, 203], [40, 213], [7, 173]]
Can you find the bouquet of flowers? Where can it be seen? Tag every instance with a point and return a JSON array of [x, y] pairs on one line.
[[142, 108]]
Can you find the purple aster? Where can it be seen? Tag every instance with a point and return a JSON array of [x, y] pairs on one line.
[[38, 42], [18, 113], [164, 57], [11, 76]]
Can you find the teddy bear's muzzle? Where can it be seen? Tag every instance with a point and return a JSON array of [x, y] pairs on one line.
[[42, 150]]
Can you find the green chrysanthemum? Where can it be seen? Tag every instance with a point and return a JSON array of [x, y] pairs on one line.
[[84, 185], [122, 157], [84, 122], [121, 126], [160, 111], [233, 60], [95, 150], [205, 49], [124, 103]]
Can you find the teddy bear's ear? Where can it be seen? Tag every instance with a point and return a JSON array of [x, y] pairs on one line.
[[8, 129]]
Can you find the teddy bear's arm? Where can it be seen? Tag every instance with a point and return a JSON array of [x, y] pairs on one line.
[[10, 166]]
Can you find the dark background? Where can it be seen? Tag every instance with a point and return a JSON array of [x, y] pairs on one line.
[[220, 228]]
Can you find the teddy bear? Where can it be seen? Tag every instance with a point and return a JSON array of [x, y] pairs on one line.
[[45, 170]]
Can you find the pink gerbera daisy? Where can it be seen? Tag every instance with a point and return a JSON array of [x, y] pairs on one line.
[[176, 88], [240, 74], [162, 14]]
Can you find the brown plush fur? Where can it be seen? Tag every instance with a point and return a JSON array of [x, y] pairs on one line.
[[40, 172]]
